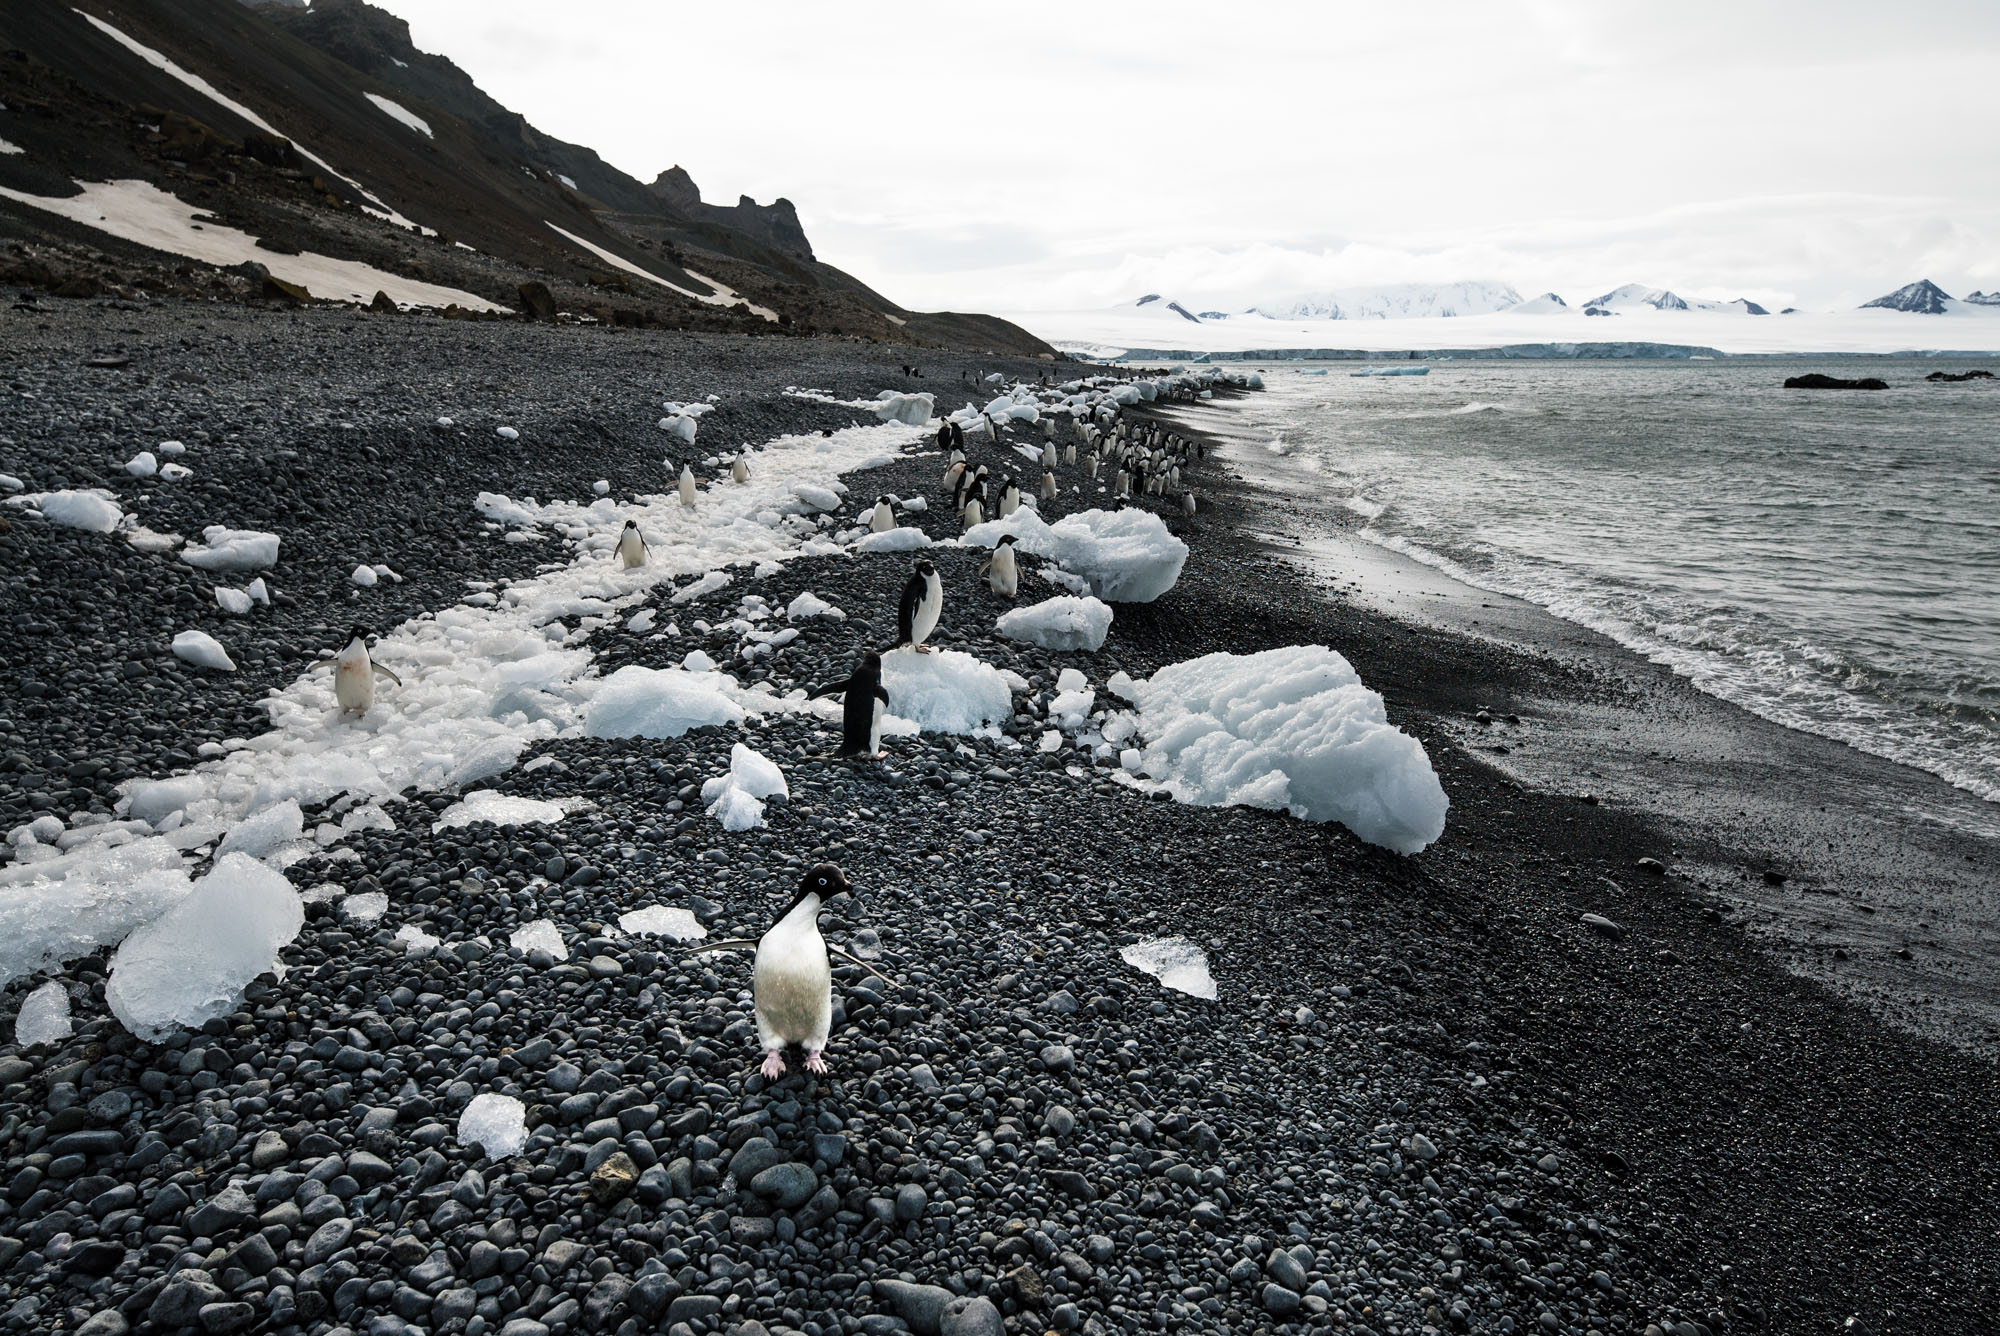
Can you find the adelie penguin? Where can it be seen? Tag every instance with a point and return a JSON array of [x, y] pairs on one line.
[[863, 702], [884, 517], [687, 487], [354, 674], [631, 546], [791, 983], [1003, 575], [1010, 496], [1048, 485], [922, 604], [739, 472]]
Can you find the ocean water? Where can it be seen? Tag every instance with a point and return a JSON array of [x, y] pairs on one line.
[[1829, 560]]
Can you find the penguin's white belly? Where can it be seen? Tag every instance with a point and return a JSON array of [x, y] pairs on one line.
[[926, 620], [794, 989], [631, 551], [353, 685], [875, 728]]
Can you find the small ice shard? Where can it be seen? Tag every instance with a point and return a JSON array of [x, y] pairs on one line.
[[365, 907], [1175, 961], [416, 942], [1063, 622], [264, 834], [232, 601], [364, 576], [226, 549], [502, 809], [203, 651], [142, 465], [497, 1124], [44, 1016], [540, 935], [663, 921]]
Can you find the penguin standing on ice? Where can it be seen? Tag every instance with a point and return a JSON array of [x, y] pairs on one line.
[[739, 472], [687, 487], [862, 705], [354, 674], [792, 980], [884, 517], [1003, 575], [631, 546], [922, 604], [971, 515], [1010, 496]]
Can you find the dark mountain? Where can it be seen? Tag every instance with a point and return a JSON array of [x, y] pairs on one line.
[[308, 142], [1983, 298], [1922, 297]]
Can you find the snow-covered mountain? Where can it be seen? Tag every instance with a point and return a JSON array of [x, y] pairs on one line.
[[1634, 295], [1546, 304], [1977, 298], [1922, 297], [1400, 301]]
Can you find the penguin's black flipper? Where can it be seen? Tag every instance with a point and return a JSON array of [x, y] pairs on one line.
[[882, 693], [906, 612], [385, 673], [830, 689]]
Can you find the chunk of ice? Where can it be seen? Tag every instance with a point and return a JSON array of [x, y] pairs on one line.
[[1291, 729], [945, 691], [189, 965], [265, 833], [1175, 961], [502, 809], [225, 549], [910, 409], [203, 651], [44, 1016], [663, 921], [93, 510], [497, 1124], [540, 935], [1063, 622], [641, 702]]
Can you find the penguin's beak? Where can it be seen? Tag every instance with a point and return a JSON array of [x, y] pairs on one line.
[[845, 887]]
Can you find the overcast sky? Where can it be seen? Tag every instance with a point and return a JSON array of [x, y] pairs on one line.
[[1017, 157]]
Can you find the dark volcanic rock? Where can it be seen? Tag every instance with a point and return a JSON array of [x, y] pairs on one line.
[[1815, 381]]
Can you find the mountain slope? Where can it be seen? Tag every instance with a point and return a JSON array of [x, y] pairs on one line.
[[1922, 297], [400, 162]]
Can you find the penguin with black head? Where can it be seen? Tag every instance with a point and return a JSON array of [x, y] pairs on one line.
[[921, 605], [863, 703], [792, 980]]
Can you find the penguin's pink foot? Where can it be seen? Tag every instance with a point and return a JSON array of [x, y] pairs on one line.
[[774, 1064], [814, 1062], [923, 649]]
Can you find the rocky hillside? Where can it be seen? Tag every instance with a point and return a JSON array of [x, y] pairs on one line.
[[323, 131]]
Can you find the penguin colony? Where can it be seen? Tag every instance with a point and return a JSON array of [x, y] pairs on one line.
[[792, 979]]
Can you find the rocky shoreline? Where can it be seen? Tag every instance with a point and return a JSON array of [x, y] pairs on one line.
[[1428, 1096]]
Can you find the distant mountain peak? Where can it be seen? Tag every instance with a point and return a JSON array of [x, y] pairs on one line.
[[1638, 294], [1922, 297], [1155, 299], [1977, 298]]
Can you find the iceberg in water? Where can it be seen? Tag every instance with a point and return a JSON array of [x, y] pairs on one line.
[[1289, 730]]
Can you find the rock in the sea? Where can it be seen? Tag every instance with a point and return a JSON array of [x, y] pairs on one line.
[[1815, 381]]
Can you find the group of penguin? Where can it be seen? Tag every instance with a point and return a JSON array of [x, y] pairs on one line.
[[1145, 459]]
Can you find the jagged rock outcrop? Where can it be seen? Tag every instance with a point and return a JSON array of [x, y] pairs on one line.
[[775, 224]]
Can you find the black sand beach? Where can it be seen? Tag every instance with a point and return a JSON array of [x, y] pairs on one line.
[[1426, 1098]]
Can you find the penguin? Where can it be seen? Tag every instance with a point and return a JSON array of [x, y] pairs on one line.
[[1187, 502], [739, 472], [1003, 575], [687, 487], [1048, 454], [631, 546], [354, 674], [944, 436], [952, 473], [1010, 496], [922, 603], [1048, 485], [792, 980], [972, 513], [862, 707], [957, 436], [1069, 454], [883, 518], [1048, 429], [1093, 468]]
